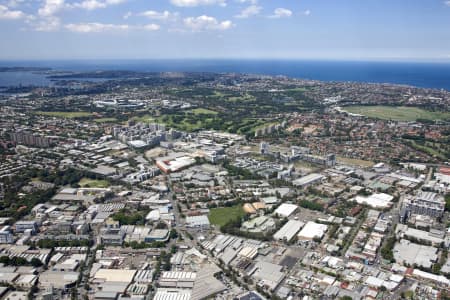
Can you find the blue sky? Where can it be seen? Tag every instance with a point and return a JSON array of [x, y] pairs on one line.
[[283, 29]]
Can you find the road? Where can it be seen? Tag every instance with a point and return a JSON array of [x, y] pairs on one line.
[[81, 289]]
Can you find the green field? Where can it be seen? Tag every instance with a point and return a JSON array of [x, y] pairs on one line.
[[397, 113], [182, 122], [202, 111], [93, 183], [264, 125], [244, 98], [105, 120], [65, 114], [428, 149], [221, 216], [145, 119]]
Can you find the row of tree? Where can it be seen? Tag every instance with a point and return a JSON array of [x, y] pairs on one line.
[[20, 261]]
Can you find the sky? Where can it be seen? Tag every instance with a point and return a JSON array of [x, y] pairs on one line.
[[235, 29]]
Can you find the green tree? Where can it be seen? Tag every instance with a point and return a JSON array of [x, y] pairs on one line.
[[36, 262]]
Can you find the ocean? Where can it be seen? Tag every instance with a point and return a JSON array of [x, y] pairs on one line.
[[426, 75]]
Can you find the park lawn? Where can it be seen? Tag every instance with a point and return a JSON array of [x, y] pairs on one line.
[[145, 119], [187, 126], [265, 125], [93, 183], [426, 149], [397, 113], [186, 123], [244, 98], [65, 114], [221, 216], [245, 124], [183, 125], [218, 94], [250, 125], [105, 120], [203, 111]]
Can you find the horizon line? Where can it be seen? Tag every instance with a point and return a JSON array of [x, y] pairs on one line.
[[391, 60]]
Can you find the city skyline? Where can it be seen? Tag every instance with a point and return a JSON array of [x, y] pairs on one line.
[[230, 29]]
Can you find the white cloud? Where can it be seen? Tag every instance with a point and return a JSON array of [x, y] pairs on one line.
[[51, 7], [95, 27], [7, 14], [202, 23], [127, 15], [447, 3], [15, 3], [307, 12], [48, 24], [155, 15], [151, 27], [252, 10], [248, 1], [281, 13], [102, 27], [90, 4], [115, 2], [193, 3], [96, 4], [47, 20]]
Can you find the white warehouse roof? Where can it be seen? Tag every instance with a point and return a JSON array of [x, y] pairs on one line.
[[289, 230], [115, 275], [312, 230], [286, 209], [172, 294], [308, 179], [380, 200], [197, 221]]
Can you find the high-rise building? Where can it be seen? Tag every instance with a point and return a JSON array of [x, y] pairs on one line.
[[426, 203], [30, 139], [6, 236], [264, 148]]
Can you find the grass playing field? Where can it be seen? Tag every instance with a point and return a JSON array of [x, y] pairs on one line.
[[203, 111], [65, 114], [397, 113], [221, 216], [93, 183], [105, 120]]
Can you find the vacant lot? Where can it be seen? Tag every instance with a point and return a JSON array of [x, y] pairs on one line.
[[221, 216], [65, 114], [397, 113], [354, 161]]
